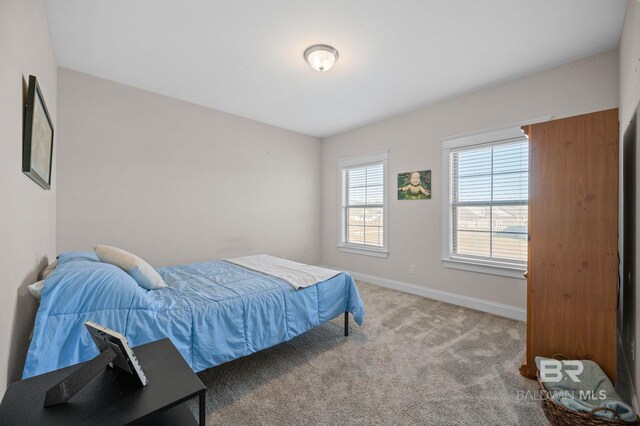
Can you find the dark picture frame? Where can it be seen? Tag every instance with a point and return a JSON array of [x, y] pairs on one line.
[[37, 144]]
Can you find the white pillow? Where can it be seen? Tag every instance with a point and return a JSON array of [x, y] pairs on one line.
[[141, 271], [36, 289], [48, 270]]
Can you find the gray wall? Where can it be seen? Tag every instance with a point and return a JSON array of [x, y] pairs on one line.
[[27, 212], [175, 182], [414, 142], [629, 98]]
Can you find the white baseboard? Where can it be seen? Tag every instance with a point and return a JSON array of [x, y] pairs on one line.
[[443, 296]]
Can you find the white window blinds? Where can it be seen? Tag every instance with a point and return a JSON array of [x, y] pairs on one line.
[[363, 204], [489, 202]]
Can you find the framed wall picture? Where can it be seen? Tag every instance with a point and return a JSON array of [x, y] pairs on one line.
[[37, 144], [414, 185]]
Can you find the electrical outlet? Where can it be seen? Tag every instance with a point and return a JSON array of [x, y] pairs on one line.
[[412, 269]]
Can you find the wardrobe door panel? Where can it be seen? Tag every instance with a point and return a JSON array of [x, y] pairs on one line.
[[572, 282]]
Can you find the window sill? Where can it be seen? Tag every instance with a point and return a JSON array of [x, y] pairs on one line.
[[367, 251], [492, 269]]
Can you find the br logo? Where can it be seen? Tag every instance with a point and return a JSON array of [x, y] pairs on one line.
[[553, 371]]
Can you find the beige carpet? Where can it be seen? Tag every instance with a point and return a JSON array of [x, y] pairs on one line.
[[414, 361]]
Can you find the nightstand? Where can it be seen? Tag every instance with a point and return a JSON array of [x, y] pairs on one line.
[[113, 397]]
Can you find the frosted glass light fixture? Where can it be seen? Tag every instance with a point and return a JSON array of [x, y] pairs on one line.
[[321, 57]]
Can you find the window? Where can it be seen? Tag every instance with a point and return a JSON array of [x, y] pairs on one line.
[[487, 213], [363, 204]]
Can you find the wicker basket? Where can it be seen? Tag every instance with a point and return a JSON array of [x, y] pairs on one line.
[[559, 415]]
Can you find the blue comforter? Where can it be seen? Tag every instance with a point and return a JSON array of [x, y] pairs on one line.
[[213, 312]]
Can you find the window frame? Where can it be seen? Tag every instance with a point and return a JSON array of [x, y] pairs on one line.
[[358, 161], [488, 138]]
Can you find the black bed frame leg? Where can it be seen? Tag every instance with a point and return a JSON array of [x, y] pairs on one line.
[[346, 323]]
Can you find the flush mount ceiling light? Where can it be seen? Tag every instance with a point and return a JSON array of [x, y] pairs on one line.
[[321, 57]]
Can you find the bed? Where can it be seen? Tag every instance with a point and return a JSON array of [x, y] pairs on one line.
[[213, 312]]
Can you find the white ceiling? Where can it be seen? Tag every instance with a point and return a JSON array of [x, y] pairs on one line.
[[245, 57]]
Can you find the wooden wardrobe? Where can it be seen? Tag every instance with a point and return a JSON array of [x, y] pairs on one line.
[[572, 280]]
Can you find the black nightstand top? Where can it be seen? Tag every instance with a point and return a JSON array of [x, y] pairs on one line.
[[112, 397]]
